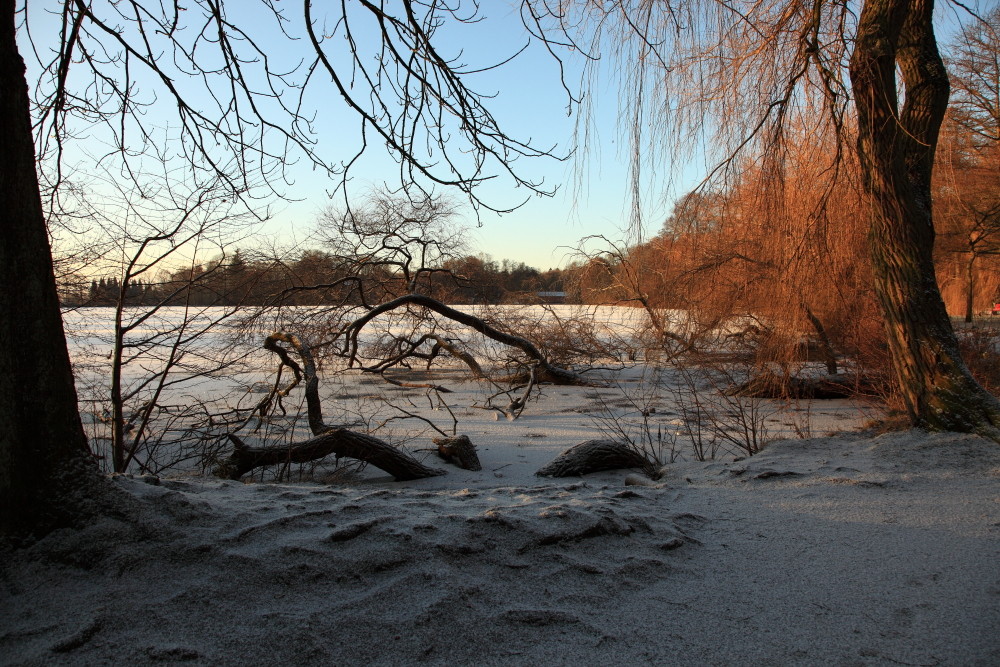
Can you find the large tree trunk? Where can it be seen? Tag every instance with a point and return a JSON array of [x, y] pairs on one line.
[[47, 476], [897, 154]]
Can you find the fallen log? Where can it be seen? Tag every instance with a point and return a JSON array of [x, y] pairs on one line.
[[460, 451], [595, 456], [327, 439], [547, 371], [339, 441], [769, 385]]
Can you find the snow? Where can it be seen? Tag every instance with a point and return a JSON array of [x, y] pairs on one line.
[[840, 550], [849, 549]]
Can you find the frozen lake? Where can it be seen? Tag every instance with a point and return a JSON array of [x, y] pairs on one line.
[[218, 374]]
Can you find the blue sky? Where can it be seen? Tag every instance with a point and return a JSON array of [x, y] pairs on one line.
[[592, 188]]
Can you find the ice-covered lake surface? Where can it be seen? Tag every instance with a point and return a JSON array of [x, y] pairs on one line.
[[220, 373]]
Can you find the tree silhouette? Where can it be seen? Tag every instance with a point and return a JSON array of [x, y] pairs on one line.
[[242, 112]]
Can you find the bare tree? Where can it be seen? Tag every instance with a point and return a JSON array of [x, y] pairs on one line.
[[241, 111], [973, 60], [153, 226], [968, 172], [966, 191]]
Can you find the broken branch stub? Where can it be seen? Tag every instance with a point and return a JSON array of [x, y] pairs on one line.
[[594, 456], [460, 451]]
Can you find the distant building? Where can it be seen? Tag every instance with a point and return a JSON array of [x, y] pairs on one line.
[[551, 297]]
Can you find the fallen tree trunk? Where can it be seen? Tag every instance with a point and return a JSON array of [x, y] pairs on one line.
[[546, 371], [339, 441], [328, 439], [768, 385], [595, 456]]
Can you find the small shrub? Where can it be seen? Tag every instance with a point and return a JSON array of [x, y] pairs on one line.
[[980, 349]]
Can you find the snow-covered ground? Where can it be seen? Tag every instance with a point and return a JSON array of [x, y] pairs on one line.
[[842, 550], [847, 550]]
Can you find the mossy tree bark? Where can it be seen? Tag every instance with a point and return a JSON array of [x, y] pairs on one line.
[[47, 476], [896, 147]]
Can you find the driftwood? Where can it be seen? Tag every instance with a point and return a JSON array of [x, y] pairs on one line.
[[594, 456], [327, 439], [337, 441], [459, 451]]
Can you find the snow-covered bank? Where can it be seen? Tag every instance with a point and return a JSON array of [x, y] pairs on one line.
[[842, 550]]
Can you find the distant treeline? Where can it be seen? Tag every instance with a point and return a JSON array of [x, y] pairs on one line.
[[317, 278]]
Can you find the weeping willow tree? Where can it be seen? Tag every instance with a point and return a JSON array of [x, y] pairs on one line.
[[730, 78]]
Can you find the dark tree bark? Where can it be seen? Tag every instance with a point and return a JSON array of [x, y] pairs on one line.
[[595, 456], [896, 148], [328, 439], [339, 441], [47, 475], [460, 451], [829, 356]]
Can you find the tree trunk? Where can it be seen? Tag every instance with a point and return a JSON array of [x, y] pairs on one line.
[[829, 356], [547, 372], [460, 451], [47, 475], [595, 456], [328, 439], [970, 275], [897, 153]]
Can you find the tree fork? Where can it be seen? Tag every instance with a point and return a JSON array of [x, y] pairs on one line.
[[327, 439]]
